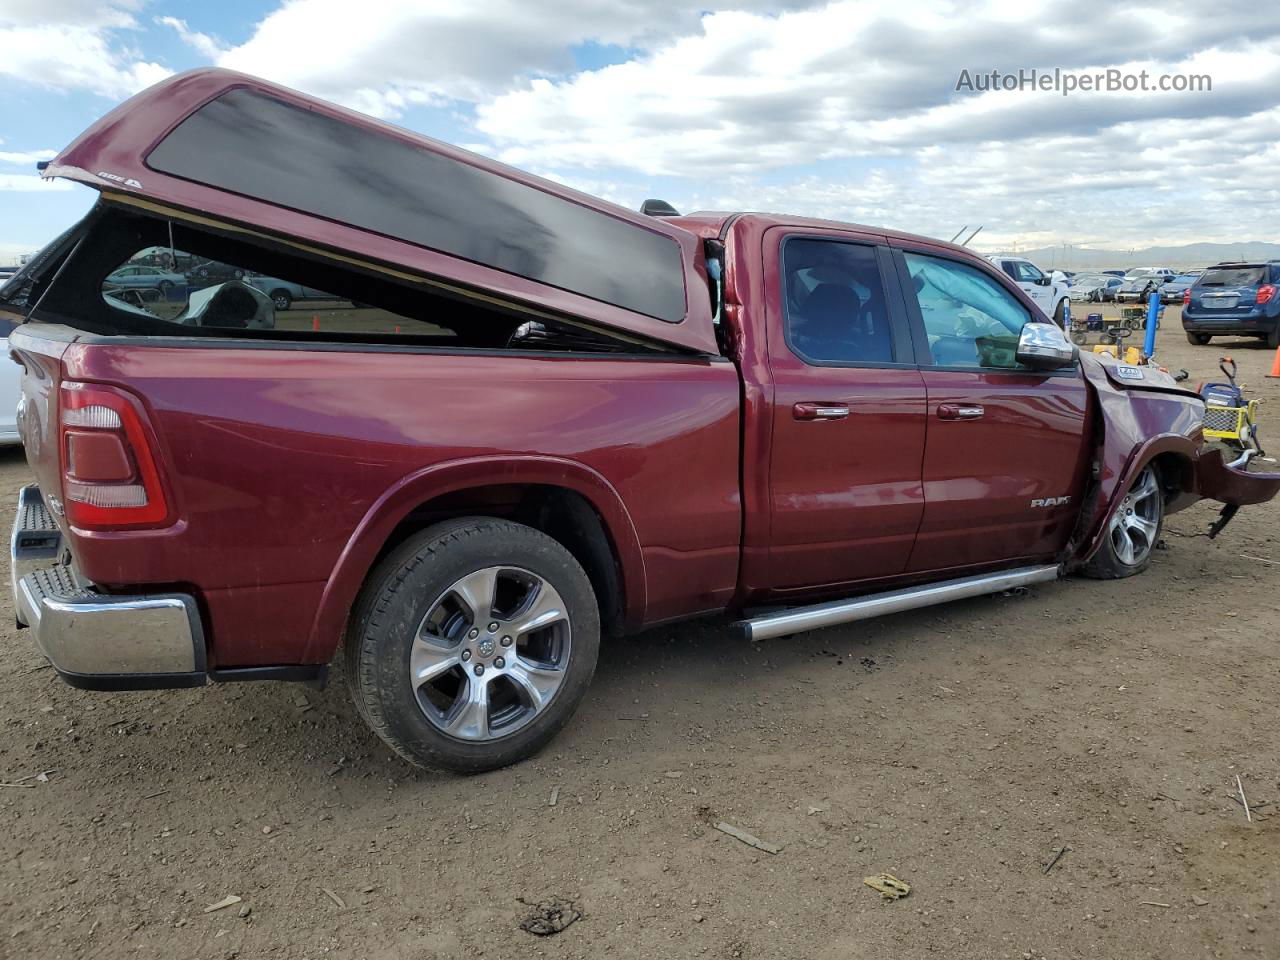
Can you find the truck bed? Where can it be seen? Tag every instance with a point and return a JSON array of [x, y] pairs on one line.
[[286, 461]]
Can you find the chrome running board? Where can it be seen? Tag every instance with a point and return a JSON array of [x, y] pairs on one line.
[[799, 619]]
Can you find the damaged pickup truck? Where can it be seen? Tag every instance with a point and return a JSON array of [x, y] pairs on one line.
[[543, 419]]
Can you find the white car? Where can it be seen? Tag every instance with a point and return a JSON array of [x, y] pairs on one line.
[[1163, 272], [1049, 291]]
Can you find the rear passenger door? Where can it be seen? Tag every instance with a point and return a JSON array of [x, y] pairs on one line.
[[848, 411], [1006, 449]]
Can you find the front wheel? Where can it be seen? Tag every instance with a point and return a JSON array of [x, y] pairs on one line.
[[1198, 339], [282, 299], [472, 644], [1133, 530]]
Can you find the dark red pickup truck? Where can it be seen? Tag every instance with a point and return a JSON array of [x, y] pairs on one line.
[[540, 419]]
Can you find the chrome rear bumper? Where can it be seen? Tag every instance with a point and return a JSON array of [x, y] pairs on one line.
[[95, 640]]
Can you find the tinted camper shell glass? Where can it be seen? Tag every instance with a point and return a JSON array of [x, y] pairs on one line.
[[319, 164]]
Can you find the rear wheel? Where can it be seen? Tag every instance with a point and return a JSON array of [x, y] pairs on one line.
[[1273, 338], [1133, 530], [472, 644], [1198, 339], [282, 299]]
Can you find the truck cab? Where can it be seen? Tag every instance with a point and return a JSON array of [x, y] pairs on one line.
[[1048, 291]]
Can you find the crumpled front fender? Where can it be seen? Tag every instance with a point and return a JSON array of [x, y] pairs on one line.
[[1147, 419]]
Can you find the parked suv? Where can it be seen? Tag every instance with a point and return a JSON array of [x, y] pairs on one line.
[[1236, 299]]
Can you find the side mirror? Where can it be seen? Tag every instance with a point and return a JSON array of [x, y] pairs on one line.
[[1043, 281], [1044, 346]]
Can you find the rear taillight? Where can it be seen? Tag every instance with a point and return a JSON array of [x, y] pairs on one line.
[[1186, 296], [109, 475], [1266, 292]]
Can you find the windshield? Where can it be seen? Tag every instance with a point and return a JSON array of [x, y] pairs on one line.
[[1233, 277]]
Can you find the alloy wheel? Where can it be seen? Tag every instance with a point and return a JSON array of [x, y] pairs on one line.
[[491, 653], [1137, 520]]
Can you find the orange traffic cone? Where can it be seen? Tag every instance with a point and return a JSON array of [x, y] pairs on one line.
[[1275, 365]]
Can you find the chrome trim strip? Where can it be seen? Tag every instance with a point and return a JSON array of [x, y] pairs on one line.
[[821, 615]]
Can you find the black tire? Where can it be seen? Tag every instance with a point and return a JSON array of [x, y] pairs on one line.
[[1079, 337], [1273, 338], [202, 273], [404, 589], [282, 299], [1109, 563], [1198, 339]]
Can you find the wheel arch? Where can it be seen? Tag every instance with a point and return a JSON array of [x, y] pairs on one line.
[[565, 499], [1174, 456]]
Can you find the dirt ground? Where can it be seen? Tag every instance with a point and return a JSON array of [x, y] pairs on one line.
[[958, 748]]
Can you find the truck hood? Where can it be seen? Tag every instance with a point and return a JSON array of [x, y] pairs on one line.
[[1127, 376], [226, 146]]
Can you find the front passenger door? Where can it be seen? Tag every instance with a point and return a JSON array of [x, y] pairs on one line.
[[1006, 450]]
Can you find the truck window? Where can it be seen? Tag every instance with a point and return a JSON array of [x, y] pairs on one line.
[[135, 274], [835, 305], [230, 296], [969, 319], [1025, 272], [305, 160]]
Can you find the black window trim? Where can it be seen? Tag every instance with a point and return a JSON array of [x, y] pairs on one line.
[[920, 337], [894, 302]]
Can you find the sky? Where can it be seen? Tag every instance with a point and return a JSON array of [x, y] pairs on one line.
[[859, 110]]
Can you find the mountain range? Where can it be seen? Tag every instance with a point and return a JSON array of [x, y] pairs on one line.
[[1188, 255]]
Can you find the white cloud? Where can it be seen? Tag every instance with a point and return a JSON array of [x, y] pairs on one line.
[[74, 45], [31, 183], [201, 43], [86, 13], [401, 52], [26, 158], [750, 92]]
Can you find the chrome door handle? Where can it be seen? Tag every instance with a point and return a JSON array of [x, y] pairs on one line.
[[820, 411], [960, 411]]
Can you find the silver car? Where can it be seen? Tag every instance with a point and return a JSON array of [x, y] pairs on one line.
[[139, 277], [1093, 288]]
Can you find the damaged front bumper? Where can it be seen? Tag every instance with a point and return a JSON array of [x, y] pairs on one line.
[[1231, 485]]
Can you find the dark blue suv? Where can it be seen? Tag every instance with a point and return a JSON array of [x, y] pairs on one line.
[[1236, 299]]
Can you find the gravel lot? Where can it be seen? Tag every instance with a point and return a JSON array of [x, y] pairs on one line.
[[958, 748]]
